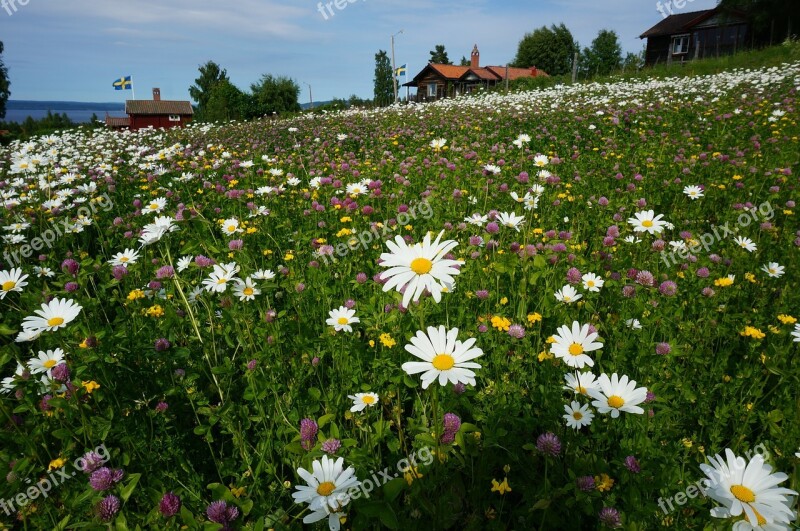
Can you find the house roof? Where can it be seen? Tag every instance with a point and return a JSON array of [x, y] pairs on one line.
[[676, 23], [485, 73], [158, 107], [118, 122]]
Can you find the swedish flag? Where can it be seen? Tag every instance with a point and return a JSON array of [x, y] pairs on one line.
[[400, 71], [123, 83]]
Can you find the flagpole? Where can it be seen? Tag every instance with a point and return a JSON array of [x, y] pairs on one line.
[[133, 88]]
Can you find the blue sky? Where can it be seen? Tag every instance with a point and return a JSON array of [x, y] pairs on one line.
[[73, 50]]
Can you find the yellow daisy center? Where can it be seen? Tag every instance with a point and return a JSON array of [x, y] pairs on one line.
[[8, 285], [222, 281], [55, 321], [577, 415], [368, 399], [342, 320], [443, 362], [647, 223], [153, 206], [743, 494], [576, 349], [421, 266], [231, 228], [124, 259], [590, 283], [581, 389], [567, 298], [325, 488], [247, 291], [616, 401], [49, 364]]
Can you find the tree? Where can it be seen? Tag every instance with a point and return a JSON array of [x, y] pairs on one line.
[[550, 49], [384, 90], [633, 62], [274, 95], [210, 75], [773, 20], [465, 61], [225, 102], [604, 56], [4, 84], [439, 55]]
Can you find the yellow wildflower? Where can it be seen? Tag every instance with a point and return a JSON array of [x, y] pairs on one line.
[[501, 323], [136, 294], [56, 463], [154, 311], [90, 386], [410, 474], [751, 331], [504, 301], [544, 355], [603, 482], [387, 340], [786, 319], [534, 317], [724, 281], [500, 488], [289, 256]]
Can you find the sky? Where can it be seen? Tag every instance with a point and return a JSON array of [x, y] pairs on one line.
[[74, 50]]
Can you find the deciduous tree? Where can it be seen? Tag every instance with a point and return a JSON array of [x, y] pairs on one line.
[[550, 49]]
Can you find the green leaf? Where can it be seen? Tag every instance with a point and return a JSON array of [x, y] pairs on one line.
[[393, 488], [128, 489], [325, 419]]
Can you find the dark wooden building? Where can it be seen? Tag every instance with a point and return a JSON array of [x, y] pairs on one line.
[[156, 113], [696, 35], [437, 81]]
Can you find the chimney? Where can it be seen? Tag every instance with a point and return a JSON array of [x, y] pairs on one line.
[[534, 72], [156, 94], [475, 58]]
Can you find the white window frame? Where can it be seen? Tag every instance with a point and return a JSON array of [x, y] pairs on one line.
[[431, 90], [174, 117], [682, 40]]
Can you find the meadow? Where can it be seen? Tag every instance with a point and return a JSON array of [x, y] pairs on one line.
[[542, 310]]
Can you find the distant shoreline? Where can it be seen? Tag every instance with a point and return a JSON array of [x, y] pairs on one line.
[[79, 112]]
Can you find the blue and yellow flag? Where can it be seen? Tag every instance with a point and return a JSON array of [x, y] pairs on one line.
[[123, 83], [400, 71]]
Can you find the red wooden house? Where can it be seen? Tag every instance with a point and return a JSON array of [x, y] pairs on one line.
[[153, 113], [437, 81]]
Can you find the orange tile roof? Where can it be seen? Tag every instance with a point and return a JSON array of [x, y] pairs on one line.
[[158, 107], [449, 71], [515, 73]]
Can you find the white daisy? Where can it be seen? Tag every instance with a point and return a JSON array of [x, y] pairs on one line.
[[694, 192], [567, 294], [617, 394], [362, 401], [341, 319], [445, 357], [418, 267], [264, 274], [510, 220], [245, 289], [749, 489], [53, 315], [592, 282], [9, 383], [217, 281], [577, 415], [476, 219], [579, 382], [184, 262], [155, 206], [796, 333], [328, 486], [491, 168], [647, 221], [773, 269], [745, 243], [633, 324], [541, 161], [45, 361], [231, 226], [438, 143], [128, 256], [12, 280], [571, 345], [153, 232]]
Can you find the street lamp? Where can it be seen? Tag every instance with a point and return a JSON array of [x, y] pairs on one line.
[[310, 99], [394, 68]]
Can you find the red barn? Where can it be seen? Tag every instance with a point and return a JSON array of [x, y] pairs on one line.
[[156, 113]]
